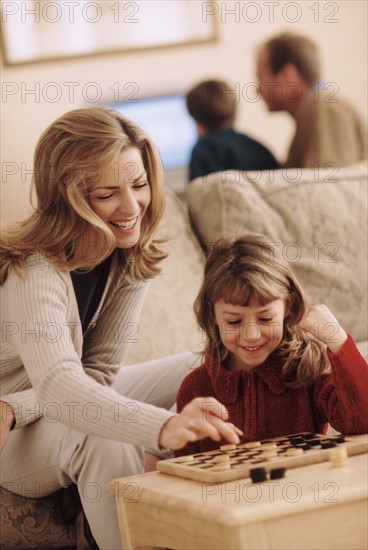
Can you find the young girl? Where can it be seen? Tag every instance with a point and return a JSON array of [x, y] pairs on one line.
[[73, 276], [278, 367]]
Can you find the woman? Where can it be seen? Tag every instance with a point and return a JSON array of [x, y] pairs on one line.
[[73, 280]]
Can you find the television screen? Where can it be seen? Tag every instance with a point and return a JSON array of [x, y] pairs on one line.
[[166, 119]]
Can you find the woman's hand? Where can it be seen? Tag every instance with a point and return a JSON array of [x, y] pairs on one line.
[[324, 326], [6, 422], [202, 417]]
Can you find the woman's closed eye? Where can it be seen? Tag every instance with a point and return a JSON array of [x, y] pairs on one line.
[[140, 185], [104, 197]]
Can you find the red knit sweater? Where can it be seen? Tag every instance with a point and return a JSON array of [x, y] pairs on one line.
[[260, 404]]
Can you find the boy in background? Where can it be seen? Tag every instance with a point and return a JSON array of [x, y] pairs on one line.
[[219, 146]]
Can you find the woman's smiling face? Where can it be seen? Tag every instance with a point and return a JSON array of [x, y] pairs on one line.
[[122, 195]]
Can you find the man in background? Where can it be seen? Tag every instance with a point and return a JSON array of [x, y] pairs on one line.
[[328, 129], [212, 104]]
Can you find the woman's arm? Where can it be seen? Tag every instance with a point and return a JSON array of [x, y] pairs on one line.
[[64, 391], [40, 303], [7, 418], [25, 407]]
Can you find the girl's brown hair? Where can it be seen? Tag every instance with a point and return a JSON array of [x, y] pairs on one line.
[[251, 270], [69, 156]]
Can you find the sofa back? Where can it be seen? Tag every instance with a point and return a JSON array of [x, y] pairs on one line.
[[167, 324], [317, 217]]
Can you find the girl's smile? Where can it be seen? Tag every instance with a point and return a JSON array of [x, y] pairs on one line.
[[253, 349]]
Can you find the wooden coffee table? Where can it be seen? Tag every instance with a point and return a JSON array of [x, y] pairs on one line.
[[313, 507]]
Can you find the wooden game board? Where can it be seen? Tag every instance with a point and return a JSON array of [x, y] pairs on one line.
[[214, 466]]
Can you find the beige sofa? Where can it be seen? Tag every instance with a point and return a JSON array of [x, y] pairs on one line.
[[319, 220]]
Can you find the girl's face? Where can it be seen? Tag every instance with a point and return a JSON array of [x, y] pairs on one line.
[[250, 333], [122, 195]]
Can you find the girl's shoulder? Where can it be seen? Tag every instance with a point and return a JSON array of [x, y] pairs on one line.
[[197, 378]]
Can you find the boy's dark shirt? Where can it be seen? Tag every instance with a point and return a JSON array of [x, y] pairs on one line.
[[229, 150]]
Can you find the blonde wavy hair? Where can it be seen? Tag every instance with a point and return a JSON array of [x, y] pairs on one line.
[[251, 270], [68, 157]]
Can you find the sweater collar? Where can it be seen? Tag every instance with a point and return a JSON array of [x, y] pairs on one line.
[[270, 373], [227, 383]]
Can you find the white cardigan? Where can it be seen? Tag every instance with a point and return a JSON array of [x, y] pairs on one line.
[[49, 368]]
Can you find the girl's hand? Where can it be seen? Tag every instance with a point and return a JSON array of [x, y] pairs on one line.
[[6, 422], [324, 326], [202, 417]]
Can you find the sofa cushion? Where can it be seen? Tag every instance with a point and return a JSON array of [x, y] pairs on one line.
[[36, 522], [318, 218], [167, 324]]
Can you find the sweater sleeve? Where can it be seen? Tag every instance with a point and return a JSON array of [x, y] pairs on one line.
[[342, 397], [63, 390], [26, 407]]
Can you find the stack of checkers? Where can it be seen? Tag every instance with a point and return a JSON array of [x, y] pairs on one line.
[[338, 456]]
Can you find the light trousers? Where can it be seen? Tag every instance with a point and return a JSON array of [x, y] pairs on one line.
[[43, 457]]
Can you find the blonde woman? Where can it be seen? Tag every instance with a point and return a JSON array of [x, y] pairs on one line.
[[73, 279], [279, 367]]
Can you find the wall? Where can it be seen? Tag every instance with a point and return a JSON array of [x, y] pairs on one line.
[[339, 27]]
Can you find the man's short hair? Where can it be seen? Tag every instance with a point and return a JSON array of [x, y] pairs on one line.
[[299, 50], [212, 103]]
